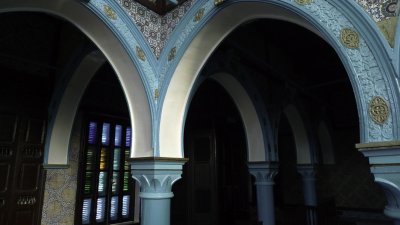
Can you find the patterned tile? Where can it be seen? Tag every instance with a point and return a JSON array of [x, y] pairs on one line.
[[380, 9], [155, 28]]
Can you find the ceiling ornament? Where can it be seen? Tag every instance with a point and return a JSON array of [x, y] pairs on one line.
[[350, 38], [378, 109], [172, 54], [199, 15], [140, 53], [304, 2], [110, 12]]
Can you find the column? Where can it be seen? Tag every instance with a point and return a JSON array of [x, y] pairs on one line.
[[384, 158], [307, 172], [156, 177], [264, 173]]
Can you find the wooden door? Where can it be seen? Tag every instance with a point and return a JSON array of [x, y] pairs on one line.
[[21, 172], [202, 194]]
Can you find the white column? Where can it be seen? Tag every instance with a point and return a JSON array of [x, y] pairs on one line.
[[308, 172]]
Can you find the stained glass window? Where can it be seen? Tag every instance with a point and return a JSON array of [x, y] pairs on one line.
[[107, 188]]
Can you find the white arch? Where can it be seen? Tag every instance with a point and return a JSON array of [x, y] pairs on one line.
[[105, 40], [326, 144], [252, 124], [299, 130], [205, 42]]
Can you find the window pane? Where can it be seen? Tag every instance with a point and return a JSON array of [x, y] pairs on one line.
[[86, 211], [100, 210], [88, 182], [103, 159], [126, 163], [114, 187], [105, 136], [90, 158], [126, 181], [117, 157], [125, 206], [92, 132], [118, 135], [114, 208], [102, 183], [128, 137]]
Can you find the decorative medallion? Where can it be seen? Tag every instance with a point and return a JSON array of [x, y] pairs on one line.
[[140, 53], [110, 12], [172, 54], [304, 2], [199, 15], [389, 8], [350, 38], [218, 2], [378, 109]]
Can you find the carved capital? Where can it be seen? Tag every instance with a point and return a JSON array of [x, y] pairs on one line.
[[307, 171], [264, 172], [156, 175]]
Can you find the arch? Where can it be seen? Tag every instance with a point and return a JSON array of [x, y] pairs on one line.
[[301, 140], [251, 121], [362, 68], [114, 52], [326, 143]]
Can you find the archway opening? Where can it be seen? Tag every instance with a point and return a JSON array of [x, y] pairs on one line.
[[216, 187]]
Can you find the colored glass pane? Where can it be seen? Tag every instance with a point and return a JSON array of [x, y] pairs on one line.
[[90, 157], [114, 208], [102, 183], [88, 182], [118, 135], [126, 163], [125, 205], [126, 181], [103, 158], [100, 209], [92, 132], [117, 157], [86, 211], [114, 187], [128, 138], [105, 135]]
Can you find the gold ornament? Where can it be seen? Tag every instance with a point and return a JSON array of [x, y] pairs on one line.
[[378, 109], [218, 2], [304, 2], [140, 53], [172, 54], [199, 15], [110, 12], [350, 38]]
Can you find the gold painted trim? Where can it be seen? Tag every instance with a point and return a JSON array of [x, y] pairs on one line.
[[156, 93], [158, 159], [304, 2], [218, 2], [140, 53], [383, 144], [350, 38], [378, 110], [110, 12], [199, 15]]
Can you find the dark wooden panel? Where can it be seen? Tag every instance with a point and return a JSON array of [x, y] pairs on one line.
[[8, 126], [35, 131], [24, 217], [29, 177], [5, 169]]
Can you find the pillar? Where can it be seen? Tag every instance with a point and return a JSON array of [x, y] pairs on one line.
[[307, 172], [264, 173], [384, 158], [156, 177]]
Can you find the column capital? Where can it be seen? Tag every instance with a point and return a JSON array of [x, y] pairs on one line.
[[156, 175], [264, 172], [384, 158], [307, 171]]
